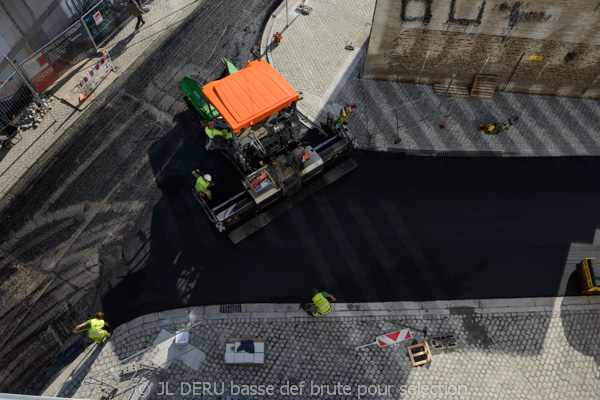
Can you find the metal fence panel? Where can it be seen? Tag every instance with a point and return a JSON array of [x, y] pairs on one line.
[[46, 65], [15, 96], [104, 19]]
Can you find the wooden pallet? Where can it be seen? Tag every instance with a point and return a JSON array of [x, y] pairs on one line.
[[484, 86], [461, 92], [419, 354]]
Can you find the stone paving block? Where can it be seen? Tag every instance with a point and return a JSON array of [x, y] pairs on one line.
[[544, 301], [407, 312], [571, 300], [215, 316], [259, 308], [437, 304], [404, 305], [150, 325], [137, 329], [214, 309], [496, 310], [181, 320], [434, 311], [238, 315], [165, 322], [134, 323], [464, 303], [175, 313], [285, 307], [149, 318], [295, 314], [264, 315], [522, 302], [493, 303]]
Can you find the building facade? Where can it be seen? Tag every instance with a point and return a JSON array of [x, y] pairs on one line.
[[544, 47]]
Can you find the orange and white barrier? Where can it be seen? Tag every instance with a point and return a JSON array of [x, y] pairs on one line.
[[93, 78]]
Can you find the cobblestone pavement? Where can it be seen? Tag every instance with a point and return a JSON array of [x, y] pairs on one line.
[[312, 57], [542, 348], [125, 48]]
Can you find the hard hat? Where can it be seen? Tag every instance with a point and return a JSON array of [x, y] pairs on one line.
[[207, 177]]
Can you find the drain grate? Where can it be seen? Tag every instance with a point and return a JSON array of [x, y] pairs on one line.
[[231, 308], [444, 154]]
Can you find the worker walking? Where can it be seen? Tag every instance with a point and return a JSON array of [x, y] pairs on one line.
[[320, 301], [94, 327], [203, 182], [345, 114]]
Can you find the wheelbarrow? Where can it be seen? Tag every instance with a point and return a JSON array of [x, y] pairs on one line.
[[8, 134]]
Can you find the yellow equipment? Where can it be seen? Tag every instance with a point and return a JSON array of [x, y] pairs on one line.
[[589, 276]]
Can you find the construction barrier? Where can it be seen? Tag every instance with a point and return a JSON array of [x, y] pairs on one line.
[[93, 78]]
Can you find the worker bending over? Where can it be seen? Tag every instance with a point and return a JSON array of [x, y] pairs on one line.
[[320, 300], [203, 182], [94, 327]]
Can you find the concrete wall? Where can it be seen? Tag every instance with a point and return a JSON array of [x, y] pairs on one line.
[[426, 40], [27, 25]]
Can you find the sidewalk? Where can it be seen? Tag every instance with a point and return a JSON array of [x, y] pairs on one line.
[[542, 348], [312, 57], [125, 48]]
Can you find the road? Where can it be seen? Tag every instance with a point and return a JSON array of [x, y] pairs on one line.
[[110, 223]]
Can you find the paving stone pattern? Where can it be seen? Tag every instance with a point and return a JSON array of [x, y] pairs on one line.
[[313, 46], [515, 353]]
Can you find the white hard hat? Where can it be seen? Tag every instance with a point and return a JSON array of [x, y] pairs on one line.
[[207, 177]]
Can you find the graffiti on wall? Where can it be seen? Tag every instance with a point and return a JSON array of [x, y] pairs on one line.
[[514, 13]]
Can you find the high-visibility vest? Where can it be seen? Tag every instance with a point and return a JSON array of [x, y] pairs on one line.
[[211, 133], [323, 306], [95, 331], [345, 114], [201, 184]]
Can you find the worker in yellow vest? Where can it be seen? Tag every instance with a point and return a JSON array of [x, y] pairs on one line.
[[94, 327], [211, 131], [320, 300], [203, 182], [345, 113]]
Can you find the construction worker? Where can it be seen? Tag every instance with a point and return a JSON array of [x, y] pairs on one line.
[[277, 37], [203, 182], [211, 131], [345, 113], [320, 300], [94, 327]]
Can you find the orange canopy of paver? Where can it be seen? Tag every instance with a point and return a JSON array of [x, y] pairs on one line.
[[250, 95]]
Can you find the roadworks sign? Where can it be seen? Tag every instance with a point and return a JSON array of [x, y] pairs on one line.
[[393, 338]]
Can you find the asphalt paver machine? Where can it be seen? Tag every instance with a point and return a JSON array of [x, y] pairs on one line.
[[274, 166]]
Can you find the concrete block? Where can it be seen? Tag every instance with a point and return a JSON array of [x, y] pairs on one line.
[[164, 322], [344, 314], [404, 305], [594, 299], [437, 304], [544, 301], [150, 318], [296, 314], [196, 313], [572, 300], [176, 313], [288, 307], [435, 311], [136, 322], [238, 315], [406, 312], [212, 309], [521, 302], [496, 310], [215, 316], [181, 320], [135, 330], [259, 358], [259, 347], [464, 303], [379, 313], [150, 325], [268, 315], [493, 303], [260, 307], [531, 309], [229, 357]]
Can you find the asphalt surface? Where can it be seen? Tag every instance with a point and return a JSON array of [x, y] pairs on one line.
[[110, 222]]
